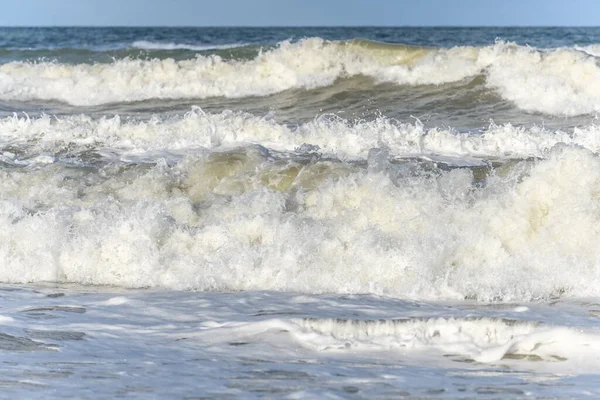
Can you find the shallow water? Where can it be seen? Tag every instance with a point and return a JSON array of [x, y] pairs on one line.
[[74, 341]]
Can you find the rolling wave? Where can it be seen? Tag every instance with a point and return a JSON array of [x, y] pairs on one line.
[[557, 82]]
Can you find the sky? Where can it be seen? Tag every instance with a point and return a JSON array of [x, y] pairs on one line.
[[300, 12]]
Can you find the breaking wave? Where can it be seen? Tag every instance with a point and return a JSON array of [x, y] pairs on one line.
[[328, 135], [234, 202], [560, 81]]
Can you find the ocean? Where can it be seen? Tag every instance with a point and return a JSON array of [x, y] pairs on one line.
[[302, 213]]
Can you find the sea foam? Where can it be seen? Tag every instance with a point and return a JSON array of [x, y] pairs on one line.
[[327, 135], [242, 219], [484, 340], [556, 82], [148, 45]]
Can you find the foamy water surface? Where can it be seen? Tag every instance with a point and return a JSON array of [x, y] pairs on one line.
[[366, 213]]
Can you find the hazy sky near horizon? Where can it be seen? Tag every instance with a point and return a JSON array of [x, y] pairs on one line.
[[299, 12]]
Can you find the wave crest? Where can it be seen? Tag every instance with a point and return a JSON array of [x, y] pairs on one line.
[[557, 82], [329, 134], [245, 219], [147, 45]]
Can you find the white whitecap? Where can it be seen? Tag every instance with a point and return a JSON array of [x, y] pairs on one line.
[[149, 45]]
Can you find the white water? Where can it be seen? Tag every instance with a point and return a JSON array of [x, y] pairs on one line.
[[207, 209], [332, 135], [481, 339], [561, 82], [147, 45], [229, 255], [105, 343]]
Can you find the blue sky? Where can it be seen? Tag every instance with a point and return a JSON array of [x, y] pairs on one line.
[[299, 12]]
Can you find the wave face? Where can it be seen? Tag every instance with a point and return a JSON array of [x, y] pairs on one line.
[[561, 82], [234, 202]]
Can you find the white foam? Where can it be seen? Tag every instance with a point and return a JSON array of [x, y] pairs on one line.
[[481, 339], [241, 220], [558, 82], [593, 49], [384, 345], [289, 66], [148, 45], [341, 138], [116, 301]]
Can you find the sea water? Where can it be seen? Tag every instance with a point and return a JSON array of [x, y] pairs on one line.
[[300, 212]]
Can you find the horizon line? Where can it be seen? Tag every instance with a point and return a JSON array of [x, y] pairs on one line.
[[297, 26]]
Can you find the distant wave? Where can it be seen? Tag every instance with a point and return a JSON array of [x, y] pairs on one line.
[[562, 82], [140, 45], [147, 45]]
